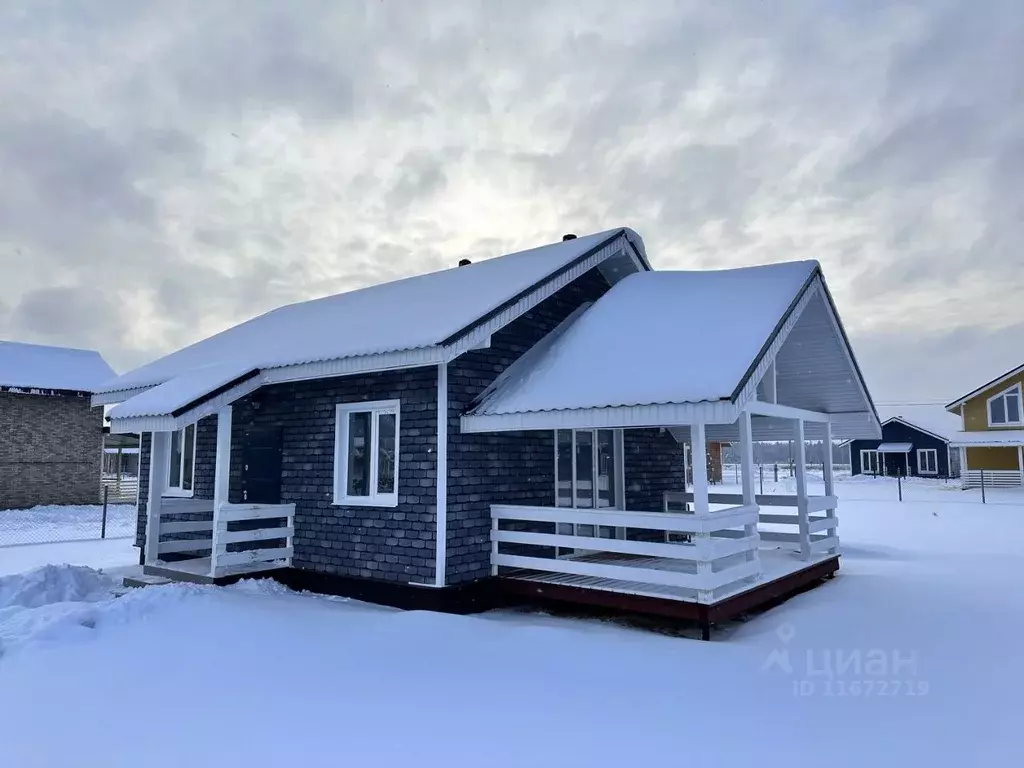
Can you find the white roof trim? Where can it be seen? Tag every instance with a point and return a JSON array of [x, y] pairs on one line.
[[631, 416], [168, 423], [914, 426], [347, 366], [115, 396], [985, 387]]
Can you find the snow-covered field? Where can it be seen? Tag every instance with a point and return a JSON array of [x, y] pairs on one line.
[[909, 657], [46, 523]]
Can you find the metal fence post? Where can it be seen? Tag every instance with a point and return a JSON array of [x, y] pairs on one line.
[[761, 472], [899, 484], [776, 472], [983, 486], [103, 524]]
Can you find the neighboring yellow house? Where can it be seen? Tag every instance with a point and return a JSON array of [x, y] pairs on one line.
[[992, 436]]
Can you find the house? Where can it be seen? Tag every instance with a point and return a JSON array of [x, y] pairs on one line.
[[991, 436], [915, 442], [509, 427], [50, 438]]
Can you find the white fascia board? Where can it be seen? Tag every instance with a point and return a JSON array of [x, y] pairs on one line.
[[476, 336], [767, 361], [168, 423], [758, 408], [117, 396], [347, 366], [625, 416]]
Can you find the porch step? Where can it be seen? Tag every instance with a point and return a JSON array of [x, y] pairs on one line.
[[146, 580]]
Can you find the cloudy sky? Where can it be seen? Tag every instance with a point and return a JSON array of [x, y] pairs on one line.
[[171, 168]]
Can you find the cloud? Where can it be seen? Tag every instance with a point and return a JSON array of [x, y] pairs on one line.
[[172, 168]]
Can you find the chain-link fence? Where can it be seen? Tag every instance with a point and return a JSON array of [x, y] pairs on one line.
[[66, 522]]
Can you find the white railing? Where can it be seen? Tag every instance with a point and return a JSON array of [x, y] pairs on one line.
[[122, 489], [720, 557], [197, 545], [822, 529], [994, 478], [276, 541]]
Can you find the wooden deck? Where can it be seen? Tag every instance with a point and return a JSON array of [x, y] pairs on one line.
[[784, 574]]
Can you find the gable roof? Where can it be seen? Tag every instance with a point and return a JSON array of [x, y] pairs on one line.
[[932, 420], [974, 393], [658, 337], [415, 313], [35, 366]]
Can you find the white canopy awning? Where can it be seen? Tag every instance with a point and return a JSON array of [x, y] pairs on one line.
[[895, 448], [994, 439]]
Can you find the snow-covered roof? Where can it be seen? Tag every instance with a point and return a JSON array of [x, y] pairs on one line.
[[181, 391], [895, 448], [993, 438], [657, 337], [414, 313], [35, 366], [934, 419]]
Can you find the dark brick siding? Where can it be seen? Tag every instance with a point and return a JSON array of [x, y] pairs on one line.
[[509, 467], [653, 464], [397, 544], [50, 450]]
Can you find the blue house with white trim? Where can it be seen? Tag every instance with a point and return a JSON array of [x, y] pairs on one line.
[[908, 447]]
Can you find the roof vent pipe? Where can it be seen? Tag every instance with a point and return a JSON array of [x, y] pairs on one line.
[[569, 236], [464, 262]]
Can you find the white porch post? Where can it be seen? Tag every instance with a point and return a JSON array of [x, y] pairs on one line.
[[963, 466], [830, 486], [803, 517], [747, 466], [160, 449], [699, 467], [221, 480]]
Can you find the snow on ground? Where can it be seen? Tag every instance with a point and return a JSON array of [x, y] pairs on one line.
[[68, 522], [106, 554], [921, 633]]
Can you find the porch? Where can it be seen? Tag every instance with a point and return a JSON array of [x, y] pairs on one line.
[[210, 540]]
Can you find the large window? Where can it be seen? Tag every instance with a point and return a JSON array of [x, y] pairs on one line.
[[366, 454], [182, 464], [588, 468], [869, 462], [927, 461], [1005, 408]]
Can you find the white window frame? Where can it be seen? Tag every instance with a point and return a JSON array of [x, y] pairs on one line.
[[179, 492], [864, 468], [1015, 389], [619, 502], [342, 413], [935, 461]]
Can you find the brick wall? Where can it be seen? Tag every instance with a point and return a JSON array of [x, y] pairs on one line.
[[502, 467], [50, 450], [653, 464]]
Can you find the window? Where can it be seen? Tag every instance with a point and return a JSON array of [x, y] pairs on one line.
[[1005, 408], [366, 454], [182, 463], [927, 461], [588, 471], [869, 462]]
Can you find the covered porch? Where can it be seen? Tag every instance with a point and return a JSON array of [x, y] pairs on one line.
[[194, 532], [702, 556], [781, 369]]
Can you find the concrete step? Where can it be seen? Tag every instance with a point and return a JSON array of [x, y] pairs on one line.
[[145, 580]]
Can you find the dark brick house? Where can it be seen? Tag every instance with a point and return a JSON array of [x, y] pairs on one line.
[[51, 439], [333, 443]]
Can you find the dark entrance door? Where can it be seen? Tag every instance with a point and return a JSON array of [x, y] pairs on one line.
[[261, 465]]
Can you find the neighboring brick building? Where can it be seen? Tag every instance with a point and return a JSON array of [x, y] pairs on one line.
[[51, 440]]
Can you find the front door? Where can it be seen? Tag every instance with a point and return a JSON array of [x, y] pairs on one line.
[[261, 465]]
